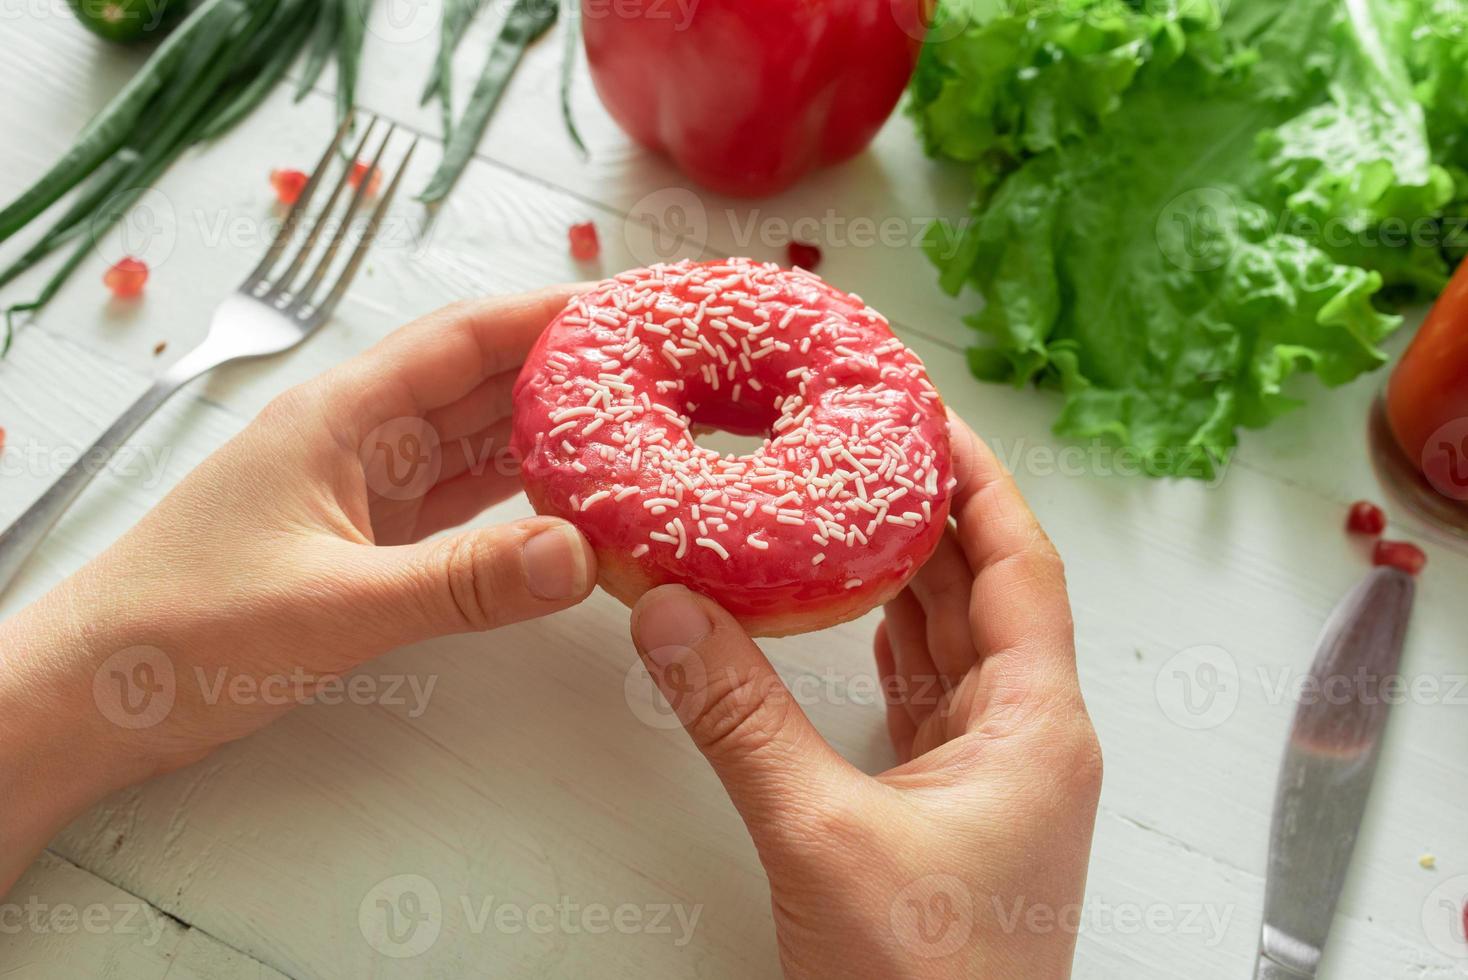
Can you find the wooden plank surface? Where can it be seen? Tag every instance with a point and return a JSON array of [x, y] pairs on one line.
[[63, 921], [536, 771]]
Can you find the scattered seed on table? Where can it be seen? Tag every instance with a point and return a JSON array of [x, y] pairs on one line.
[[585, 246], [127, 278], [359, 170], [288, 185], [1365, 518], [1399, 554]]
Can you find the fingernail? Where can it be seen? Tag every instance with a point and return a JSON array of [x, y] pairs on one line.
[[670, 622], [555, 563]]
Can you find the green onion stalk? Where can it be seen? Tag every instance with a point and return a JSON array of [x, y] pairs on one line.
[[217, 66]]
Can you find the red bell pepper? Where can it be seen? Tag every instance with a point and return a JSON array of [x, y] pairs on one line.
[[746, 96]]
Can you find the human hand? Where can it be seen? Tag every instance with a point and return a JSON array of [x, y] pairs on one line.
[[292, 555], [968, 859]]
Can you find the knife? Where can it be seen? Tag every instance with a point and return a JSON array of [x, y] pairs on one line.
[[1327, 772]]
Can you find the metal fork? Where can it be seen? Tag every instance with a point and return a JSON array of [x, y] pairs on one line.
[[265, 315]]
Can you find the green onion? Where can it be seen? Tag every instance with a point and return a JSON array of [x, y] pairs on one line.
[[570, 42], [527, 21], [456, 17], [352, 31], [322, 44], [217, 66], [100, 186], [106, 133]]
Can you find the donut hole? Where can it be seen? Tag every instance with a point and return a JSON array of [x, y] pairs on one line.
[[728, 427], [727, 443]]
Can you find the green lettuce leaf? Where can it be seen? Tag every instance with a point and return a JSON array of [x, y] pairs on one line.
[[1176, 212]]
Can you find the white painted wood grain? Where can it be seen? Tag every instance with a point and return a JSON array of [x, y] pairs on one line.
[[63, 921], [532, 775]]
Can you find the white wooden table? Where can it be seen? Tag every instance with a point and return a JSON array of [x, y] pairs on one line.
[[268, 859]]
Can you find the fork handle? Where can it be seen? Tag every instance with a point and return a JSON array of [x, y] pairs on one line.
[[22, 538]]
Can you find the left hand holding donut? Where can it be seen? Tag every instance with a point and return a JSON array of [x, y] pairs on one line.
[[292, 555], [968, 859]]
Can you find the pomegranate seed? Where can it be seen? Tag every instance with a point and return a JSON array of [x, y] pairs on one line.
[[127, 278], [803, 254], [585, 246], [288, 185], [1365, 518], [359, 171], [1399, 554]]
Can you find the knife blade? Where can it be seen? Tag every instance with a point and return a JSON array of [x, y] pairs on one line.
[[1328, 768]]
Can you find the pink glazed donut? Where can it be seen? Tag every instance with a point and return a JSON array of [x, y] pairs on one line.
[[843, 502]]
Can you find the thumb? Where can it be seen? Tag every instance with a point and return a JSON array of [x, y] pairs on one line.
[[482, 579], [773, 763]]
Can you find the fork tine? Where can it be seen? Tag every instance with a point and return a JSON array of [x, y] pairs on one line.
[[289, 276], [298, 210], [302, 298], [369, 236]]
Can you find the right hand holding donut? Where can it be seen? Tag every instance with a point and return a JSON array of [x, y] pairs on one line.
[[968, 859]]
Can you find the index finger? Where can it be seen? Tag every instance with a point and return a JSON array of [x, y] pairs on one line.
[[1019, 611], [439, 358]]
